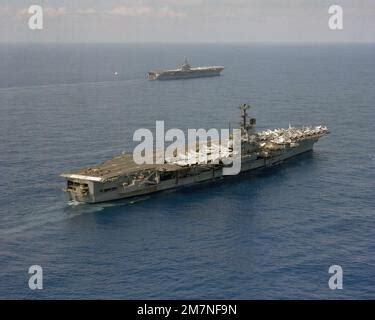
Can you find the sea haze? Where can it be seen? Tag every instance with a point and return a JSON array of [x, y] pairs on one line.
[[269, 234]]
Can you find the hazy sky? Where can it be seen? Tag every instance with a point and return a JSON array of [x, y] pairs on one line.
[[187, 21]]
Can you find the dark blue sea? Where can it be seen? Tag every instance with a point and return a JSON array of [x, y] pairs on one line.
[[270, 234]]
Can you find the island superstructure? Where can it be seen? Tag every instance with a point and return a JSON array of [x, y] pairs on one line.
[[121, 177], [185, 71]]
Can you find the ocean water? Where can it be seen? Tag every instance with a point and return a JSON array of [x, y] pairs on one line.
[[270, 234]]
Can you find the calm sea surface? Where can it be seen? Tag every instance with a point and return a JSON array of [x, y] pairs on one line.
[[269, 234]]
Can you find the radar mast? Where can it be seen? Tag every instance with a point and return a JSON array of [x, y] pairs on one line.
[[247, 127]]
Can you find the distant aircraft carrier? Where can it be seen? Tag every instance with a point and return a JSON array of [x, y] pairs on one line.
[[121, 177], [185, 71]]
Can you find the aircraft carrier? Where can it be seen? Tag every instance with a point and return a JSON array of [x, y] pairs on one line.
[[185, 71], [121, 177]]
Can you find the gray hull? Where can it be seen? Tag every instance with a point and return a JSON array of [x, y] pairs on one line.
[[116, 192], [188, 75]]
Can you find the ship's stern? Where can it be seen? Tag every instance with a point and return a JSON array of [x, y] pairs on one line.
[[152, 75], [78, 189]]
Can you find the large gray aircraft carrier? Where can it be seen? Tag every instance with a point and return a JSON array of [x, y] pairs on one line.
[[185, 71], [121, 177]]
